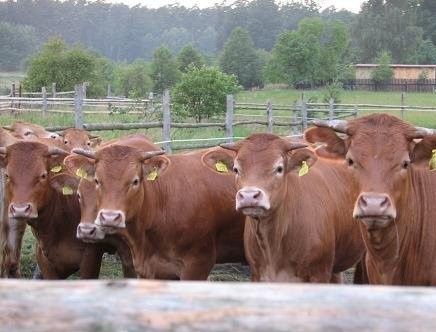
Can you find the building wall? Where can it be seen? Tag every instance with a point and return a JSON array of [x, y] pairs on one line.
[[411, 73]]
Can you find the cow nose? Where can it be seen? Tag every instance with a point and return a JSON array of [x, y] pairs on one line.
[[23, 210], [111, 218], [252, 197], [54, 135], [89, 231], [374, 205]]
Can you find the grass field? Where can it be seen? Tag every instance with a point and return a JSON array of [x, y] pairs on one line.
[[111, 265]]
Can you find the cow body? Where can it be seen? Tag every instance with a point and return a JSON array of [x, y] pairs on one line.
[[395, 197], [296, 229], [178, 222]]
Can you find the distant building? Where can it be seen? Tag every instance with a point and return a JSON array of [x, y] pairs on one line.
[[401, 72]]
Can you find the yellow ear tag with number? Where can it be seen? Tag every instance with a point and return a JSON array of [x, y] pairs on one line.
[[432, 162], [56, 169], [66, 190], [304, 169], [221, 167], [152, 175], [81, 173]]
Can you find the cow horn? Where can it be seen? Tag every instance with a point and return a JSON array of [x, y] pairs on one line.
[[230, 146], [2, 150], [337, 125], [56, 151], [151, 154], [93, 136], [294, 146], [9, 128], [86, 153], [423, 132]]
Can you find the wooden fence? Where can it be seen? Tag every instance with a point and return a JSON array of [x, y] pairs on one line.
[[293, 118], [139, 305], [403, 85]]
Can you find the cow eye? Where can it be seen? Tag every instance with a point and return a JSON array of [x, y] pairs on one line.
[[43, 176], [406, 164], [79, 197], [27, 133], [279, 169], [96, 182], [65, 142], [135, 182], [350, 162], [235, 170], [88, 143], [6, 176]]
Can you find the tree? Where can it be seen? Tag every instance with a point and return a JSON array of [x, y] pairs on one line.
[[239, 57], [164, 71], [17, 43], [383, 72], [60, 64], [202, 92], [189, 56], [133, 80]]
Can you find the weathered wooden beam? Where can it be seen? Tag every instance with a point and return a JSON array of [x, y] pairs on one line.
[[137, 305]]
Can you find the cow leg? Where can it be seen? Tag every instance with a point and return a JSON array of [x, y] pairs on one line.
[[47, 268], [360, 273], [91, 262], [126, 262], [12, 232]]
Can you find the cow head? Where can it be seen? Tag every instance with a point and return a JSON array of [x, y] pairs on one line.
[[263, 165], [29, 168], [119, 172], [25, 130], [79, 139], [380, 151]]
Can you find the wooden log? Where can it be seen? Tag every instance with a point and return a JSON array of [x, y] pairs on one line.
[[138, 305], [78, 105], [230, 111], [166, 121]]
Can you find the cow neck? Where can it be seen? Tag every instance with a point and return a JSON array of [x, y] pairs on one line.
[[396, 251], [55, 220]]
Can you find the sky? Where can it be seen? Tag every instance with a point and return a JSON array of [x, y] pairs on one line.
[[352, 5]]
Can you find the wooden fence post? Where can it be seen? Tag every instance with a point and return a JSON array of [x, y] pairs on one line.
[[331, 109], [44, 100], [269, 114], [356, 111], [53, 90], [20, 94], [79, 93], [294, 118], [166, 125], [109, 91], [229, 118], [402, 106], [304, 114], [13, 95]]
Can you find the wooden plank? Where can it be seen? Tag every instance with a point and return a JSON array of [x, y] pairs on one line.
[[166, 119], [230, 111], [138, 305], [78, 105]]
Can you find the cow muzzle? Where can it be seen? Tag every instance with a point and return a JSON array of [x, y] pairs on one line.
[[374, 210], [89, 232], [252, 202], [111, 218], [22, 211]]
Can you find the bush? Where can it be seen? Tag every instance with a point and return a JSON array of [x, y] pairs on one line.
[[133, 80], [333, 91], [202, 92], [383, 72]]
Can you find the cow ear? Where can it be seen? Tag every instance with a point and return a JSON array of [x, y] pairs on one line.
[[79, 165], [301, 158], [65, 184], [219, 160], [95, 141], [333, 146], [422, 151], [155, 167]]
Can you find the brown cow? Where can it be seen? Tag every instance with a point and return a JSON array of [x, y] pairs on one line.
[[395, 197], [78, 139], [32, 197], [176, 215], [297, 228], [84, 186]]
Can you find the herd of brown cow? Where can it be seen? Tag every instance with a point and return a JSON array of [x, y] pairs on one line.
[[353, 192]]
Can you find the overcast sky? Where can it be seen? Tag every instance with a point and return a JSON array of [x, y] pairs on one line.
[[353, 5]]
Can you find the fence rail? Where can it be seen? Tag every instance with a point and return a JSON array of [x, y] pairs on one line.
[[140, 305], [295, 116]]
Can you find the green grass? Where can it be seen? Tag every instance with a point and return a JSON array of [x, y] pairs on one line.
[[7, 78]]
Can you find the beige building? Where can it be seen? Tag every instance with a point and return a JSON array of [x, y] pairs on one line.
[[401, 72]]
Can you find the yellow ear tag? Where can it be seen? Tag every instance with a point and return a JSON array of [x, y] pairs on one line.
[[81, 173], [304, 169], [221, 167], [152, 175], [56, 169], [432, 162], [66, 190]]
